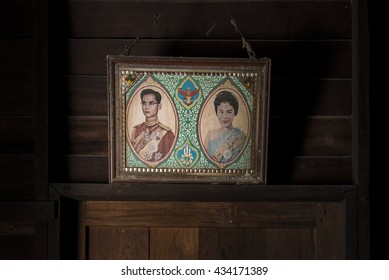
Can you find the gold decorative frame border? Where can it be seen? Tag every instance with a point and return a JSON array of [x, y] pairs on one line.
[[120, 173]]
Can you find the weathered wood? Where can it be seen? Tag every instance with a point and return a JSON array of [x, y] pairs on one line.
[[17, 135], [42, 104], [297, 59], [301, 244], [174, 243], [17, 55], [14, 16], [287, 137], [87, 96], [84, 136], [360, 105], [114, 243], [17, 176], [31, 210], [17, 227], [79, 169], [309, 170], [257, 244], [200, 214], [322, 237], [310, 44], [53, 239], [210, 193], [351, 225], [331, 231], [310, 97], [309, 137], [256, 19], [82, 231], [41, 250], [17, 95]]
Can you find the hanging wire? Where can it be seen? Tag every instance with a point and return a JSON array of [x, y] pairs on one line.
[[128, 49], [210, 30], [137, 40], [245, 44]]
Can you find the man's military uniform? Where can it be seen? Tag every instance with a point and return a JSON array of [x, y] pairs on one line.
[[152, 140]]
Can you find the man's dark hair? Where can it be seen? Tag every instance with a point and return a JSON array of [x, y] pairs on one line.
[[226, 96], [157, 95]]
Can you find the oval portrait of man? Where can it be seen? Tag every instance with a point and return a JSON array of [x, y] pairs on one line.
[[224, 126], [151, 124]]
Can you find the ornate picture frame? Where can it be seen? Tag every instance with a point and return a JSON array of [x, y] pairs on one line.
[[181, 119]]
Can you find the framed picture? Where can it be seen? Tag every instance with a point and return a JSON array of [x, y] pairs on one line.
[[181, 119]]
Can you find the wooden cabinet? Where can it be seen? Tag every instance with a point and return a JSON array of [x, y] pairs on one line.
[[202, 230], [246, 223]]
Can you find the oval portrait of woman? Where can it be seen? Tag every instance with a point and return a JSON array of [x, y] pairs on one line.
[[224, 125], [151, 126]]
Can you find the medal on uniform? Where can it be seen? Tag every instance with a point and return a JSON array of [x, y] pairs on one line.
[[153, 147], [227, 154], [146, 137]]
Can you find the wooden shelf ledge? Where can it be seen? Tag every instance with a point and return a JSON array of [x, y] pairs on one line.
[[197, 192]]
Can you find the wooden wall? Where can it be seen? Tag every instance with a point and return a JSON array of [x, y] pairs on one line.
[[310, 135], [26, 214], [53, 128]]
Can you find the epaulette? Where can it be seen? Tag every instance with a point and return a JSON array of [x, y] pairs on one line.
[[165, 127], [138, 125]]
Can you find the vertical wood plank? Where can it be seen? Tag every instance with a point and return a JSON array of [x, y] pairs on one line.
[[17, 135], [82, 233], [42, 95], [331, 230], [174, 243], [229, 244], [117, 243], [351, 226], [12, 185], [41, 240], [16, 97], [360, 105], [290, 244], [53, 227]]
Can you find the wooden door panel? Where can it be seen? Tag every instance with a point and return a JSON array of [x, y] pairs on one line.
[[331, 223], [218, 230], [114, 243], [174, 243], [257, 243]]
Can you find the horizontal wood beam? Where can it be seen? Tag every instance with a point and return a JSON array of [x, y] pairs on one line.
[[28, 210], [193, 192]]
